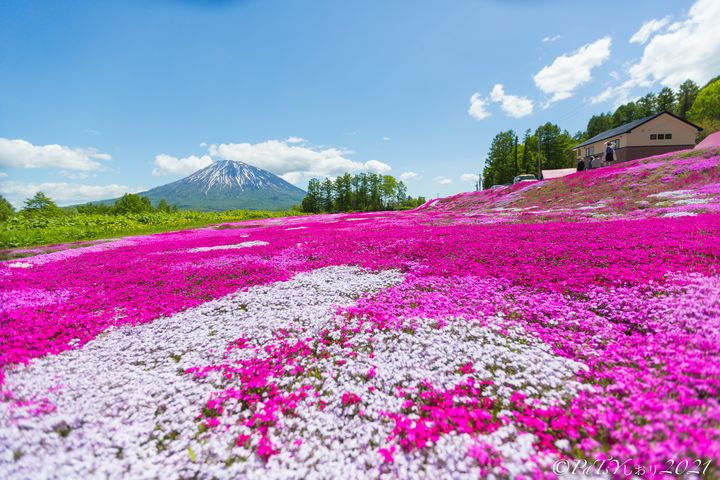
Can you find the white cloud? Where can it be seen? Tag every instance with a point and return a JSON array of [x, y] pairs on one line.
[[648, 28], [478, 107], [203, 144], [76, 175], [604, 96], [568, 72], [407, 176], [3, 174], [62, 193], [513, 105], [376, 166], [443, 180], [551, 39], [386, 139], [23, 154], [169, 165], [468, 177], [688, 49], [295, 162], [619, 94], [296, 140], [292, 177]]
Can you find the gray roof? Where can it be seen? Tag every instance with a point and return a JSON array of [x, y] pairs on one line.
[[627, 128]]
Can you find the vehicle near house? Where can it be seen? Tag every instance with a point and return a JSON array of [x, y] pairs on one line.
[[525, 177], [660, 133]]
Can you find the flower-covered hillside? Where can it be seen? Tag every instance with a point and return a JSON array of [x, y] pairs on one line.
[[680, 183], [437, 343]]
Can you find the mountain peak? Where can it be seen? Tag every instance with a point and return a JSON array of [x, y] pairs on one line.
[[229, 184]]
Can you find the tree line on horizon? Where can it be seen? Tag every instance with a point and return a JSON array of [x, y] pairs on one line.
[[41, 204], [363, 192], [509, 156]]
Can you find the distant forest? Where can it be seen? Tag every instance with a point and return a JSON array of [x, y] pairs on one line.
[[364, 192], [510, 155]]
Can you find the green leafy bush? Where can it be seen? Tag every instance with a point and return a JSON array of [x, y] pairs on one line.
[[27, 228]]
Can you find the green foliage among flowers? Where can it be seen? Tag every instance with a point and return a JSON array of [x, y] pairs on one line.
[[23, 230]]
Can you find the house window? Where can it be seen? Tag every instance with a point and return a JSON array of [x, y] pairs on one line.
[[616, 143], [589, 151], [653, 136], [661, 136], [668, 136]]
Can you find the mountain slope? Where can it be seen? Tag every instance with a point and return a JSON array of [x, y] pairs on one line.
[[228, 185]]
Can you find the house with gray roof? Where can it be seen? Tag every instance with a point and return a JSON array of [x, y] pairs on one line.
[[659, 133]]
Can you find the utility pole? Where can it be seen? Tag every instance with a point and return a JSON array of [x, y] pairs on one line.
[[539, 175]]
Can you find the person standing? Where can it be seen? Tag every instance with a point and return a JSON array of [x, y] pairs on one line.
[[609, 153], [580, 165], [590, 162]]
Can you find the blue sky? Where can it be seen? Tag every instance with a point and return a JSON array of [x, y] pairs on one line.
[[101, 97]]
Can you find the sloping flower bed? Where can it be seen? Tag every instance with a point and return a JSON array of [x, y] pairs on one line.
[[412, 344]]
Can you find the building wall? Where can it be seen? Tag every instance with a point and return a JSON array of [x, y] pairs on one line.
[[599, 147], [682, 133], [633, 153]]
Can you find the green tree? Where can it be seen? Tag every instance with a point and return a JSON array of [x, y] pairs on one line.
[[687, 92], [362, 192], [328, 195], [705, 111], [343, 193], [401, 195], [599, 123], [388, 191], [312, 203], [625, 114], [132, 203], [665, 100], [163, 206], [555, 147], [94, 208], [646, 106], [6, 209], [41, 203], [376, 195], [499, 168], [528, 157]]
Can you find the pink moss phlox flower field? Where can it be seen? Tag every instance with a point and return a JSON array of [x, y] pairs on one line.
[[511, 328]]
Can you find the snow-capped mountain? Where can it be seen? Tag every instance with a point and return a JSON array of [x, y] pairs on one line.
[[228, 185]]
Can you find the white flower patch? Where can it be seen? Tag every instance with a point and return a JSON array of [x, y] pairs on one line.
[[74, 252], [679, 214], [20, 265], [692, 201], [515, 362], [252, 243], [30, 297], [296, 228], [593, 206], [673, 194], [125, 408]]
